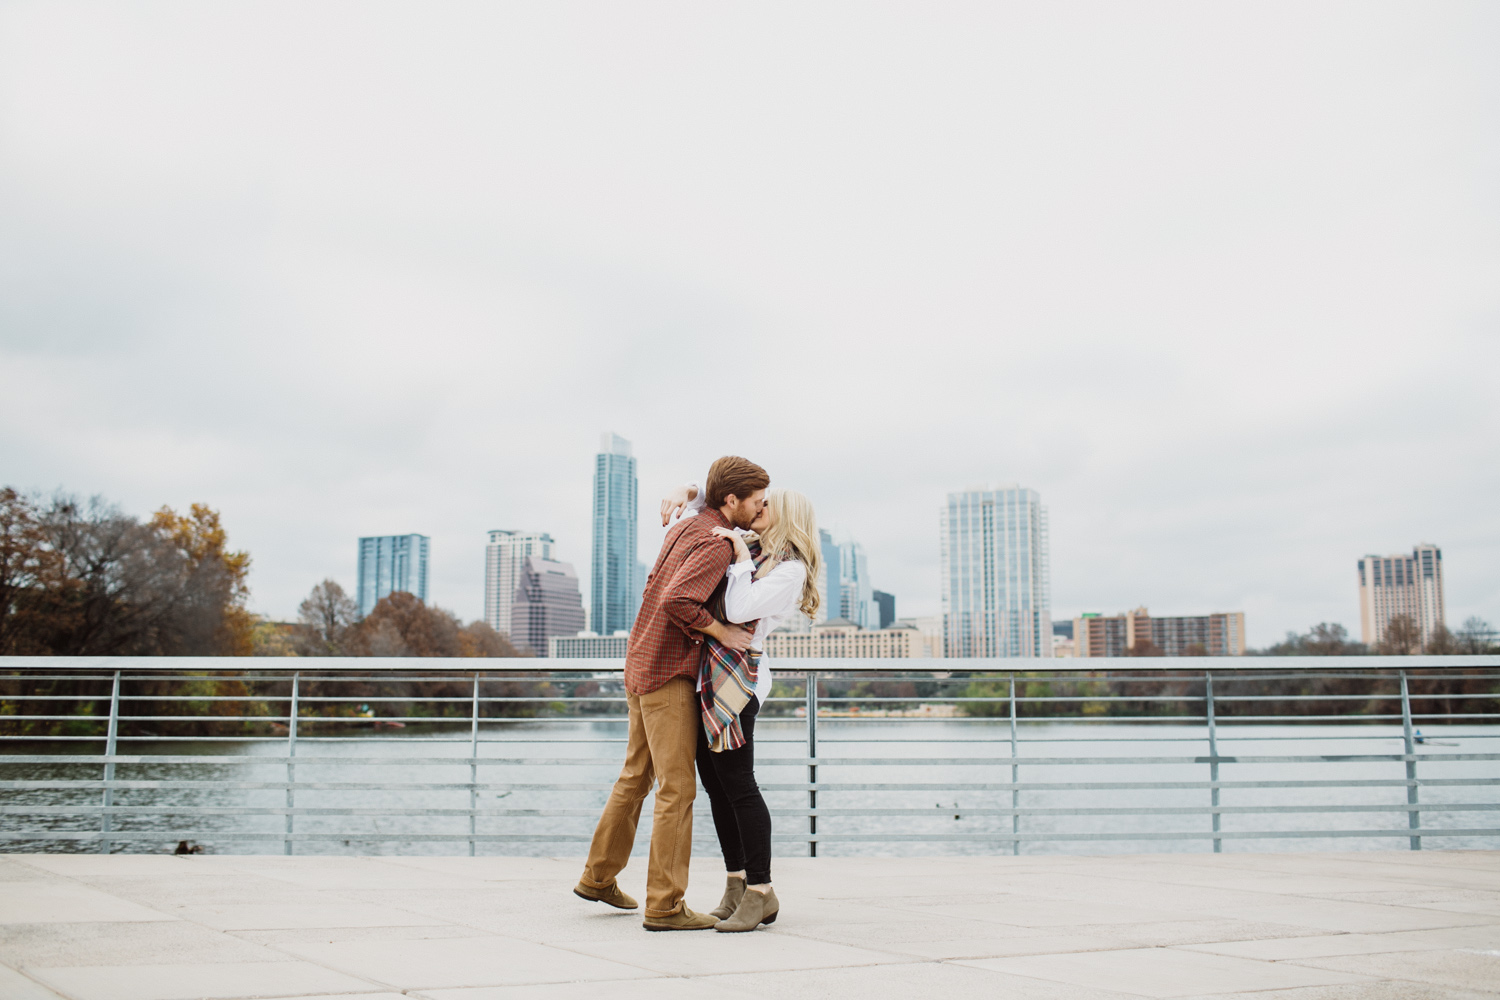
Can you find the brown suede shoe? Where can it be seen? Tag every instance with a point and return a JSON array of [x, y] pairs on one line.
[[612, 895], [732, 893], [683, 920], [755, 909]]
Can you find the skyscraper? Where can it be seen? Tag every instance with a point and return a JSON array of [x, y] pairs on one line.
[[996, 588], [857, 601], [885, 607], [1401, 585], [614, 594], [502, 570], [546, 603], [830, 579], [388, 563]]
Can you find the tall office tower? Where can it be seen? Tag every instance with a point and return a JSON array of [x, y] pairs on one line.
[[856, 602], [996, 588], [885, 605], [546, 603], [614, 597], [502, 570], [388, 563], [830, 579], [1401, 585]]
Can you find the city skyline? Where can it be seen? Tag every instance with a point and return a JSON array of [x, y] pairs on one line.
[[1388, 586]]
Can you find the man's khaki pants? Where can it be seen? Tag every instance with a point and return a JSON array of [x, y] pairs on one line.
[[663, 744]]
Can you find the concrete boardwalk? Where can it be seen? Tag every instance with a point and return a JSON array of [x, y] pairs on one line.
[[1269, 926]]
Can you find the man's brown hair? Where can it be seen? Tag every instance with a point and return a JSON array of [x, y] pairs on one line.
[[732, 474]]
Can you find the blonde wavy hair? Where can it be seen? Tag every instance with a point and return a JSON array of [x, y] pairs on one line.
[[793, 534]]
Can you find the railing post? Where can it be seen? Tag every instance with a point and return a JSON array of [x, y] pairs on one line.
[[812, 754], [109, 764], [1015, 776], [1213, 755], [1413, 816], [474, 764], [291, 769]]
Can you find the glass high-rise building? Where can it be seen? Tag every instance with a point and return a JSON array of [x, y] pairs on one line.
[[830, 579], [996, 584], [858, 601], [389, 563], [502, 570], [615, 594]]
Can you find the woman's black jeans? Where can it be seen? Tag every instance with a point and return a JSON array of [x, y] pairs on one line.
[[740, 815]]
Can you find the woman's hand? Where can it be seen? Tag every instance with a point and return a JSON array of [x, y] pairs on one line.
[[741, 550], [675, 503]]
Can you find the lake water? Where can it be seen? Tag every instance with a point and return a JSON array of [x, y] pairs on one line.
[[598, 747]]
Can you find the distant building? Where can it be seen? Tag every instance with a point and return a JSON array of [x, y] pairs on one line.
[[390, 563], [546, 603], [1096, 635], [830, 578], [885, 607], [857, 604], [931, 627], [1218, 634], [1062, 638], [1401, 585], [502, 570], [996, 588], [840, 638], [618, 577], [588, 646]]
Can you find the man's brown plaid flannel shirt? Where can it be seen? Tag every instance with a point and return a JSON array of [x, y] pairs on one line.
[[664, 643]]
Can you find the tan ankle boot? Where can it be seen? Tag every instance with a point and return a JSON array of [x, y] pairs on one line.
[[755, 908], [732, 893]]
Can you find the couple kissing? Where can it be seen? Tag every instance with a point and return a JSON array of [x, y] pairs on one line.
[[741, 560]]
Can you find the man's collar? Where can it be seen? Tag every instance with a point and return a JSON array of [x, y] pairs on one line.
[[713, 512]]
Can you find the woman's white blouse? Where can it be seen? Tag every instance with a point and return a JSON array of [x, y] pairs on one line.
[[768, 601]]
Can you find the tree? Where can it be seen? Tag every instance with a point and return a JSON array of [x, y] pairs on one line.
[[83, 579], [28, 566], [326, 618], [210, 605], [1442, 643], [1476, 637], [479, 639], [1323, 639], [1402, 637], [401, 624], [1144, 647]]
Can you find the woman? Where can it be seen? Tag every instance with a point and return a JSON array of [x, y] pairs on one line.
[[772, 579]]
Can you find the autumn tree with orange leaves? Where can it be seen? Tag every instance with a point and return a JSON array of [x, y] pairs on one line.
[[83, 579]]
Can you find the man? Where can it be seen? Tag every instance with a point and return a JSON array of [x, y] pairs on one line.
[[661, 673]]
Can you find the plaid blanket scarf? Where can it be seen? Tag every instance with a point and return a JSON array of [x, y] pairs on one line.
[[727, 677]]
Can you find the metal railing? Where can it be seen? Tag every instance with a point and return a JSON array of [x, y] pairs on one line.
[[430, 786]]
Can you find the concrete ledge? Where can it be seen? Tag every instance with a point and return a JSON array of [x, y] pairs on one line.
[[1269, 926]]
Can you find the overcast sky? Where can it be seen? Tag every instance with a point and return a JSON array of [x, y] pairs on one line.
[[1220, 281]]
